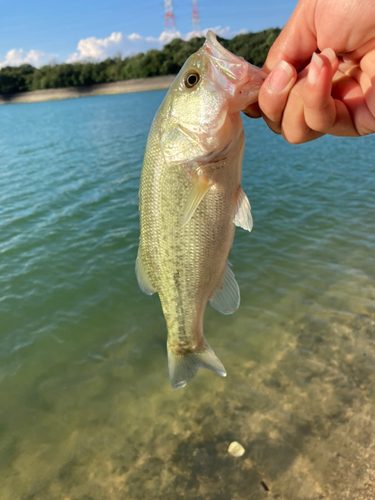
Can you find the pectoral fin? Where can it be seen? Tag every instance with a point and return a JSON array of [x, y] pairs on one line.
[[142, 278], [226, 298], [242, 217], [200, 188]]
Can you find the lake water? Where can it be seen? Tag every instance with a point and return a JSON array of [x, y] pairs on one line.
[[86, 408]]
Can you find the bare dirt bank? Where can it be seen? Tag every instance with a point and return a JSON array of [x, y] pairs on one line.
[[138, 85]]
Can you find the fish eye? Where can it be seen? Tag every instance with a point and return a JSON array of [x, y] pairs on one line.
[[191, 79]]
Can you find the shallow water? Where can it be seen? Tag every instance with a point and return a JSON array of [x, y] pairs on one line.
[[86, 409]]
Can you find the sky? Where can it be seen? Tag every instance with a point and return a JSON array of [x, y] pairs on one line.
[[45, 31]]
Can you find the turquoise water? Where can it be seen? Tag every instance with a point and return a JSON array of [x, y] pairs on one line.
[[86, 409]]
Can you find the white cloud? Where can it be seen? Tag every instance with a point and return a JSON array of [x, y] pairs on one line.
[[164, 38], [16, 57], [193, 34], [140, 43], [134, 36], [99, 48], [96, 48], [218, 30]]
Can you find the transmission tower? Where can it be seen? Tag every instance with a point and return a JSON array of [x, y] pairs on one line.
[[195, 16], [170, 23]]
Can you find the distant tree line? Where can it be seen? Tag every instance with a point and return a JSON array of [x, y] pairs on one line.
[[252, 46]]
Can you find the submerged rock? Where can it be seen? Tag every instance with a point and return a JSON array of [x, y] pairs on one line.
[[236, 449]]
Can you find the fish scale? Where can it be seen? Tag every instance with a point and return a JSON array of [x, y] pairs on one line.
[[191, 200]]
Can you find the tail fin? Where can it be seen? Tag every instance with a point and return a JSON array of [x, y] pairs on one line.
[[183, 367]]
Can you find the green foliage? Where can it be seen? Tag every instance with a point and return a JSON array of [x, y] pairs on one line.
[[252, 46], [16, 79]]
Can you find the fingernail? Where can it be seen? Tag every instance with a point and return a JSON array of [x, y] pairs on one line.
[[315, 68], [281, 76], [330, 54]]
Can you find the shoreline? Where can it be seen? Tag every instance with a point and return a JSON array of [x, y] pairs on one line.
[[121, 87]]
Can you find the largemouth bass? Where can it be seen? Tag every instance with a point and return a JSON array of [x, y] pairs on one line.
[[191, 200]]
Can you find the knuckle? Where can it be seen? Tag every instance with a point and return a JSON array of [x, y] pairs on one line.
[[293, 139], [271, 105], [252, 111], [296, 134], [274, 126], [321, 120]]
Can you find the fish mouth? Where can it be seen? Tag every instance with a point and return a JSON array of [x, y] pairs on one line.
[[232, 74]]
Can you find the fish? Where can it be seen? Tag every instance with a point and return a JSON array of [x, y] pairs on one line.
[[191, 200]]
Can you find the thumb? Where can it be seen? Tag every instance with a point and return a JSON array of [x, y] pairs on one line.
[[297, 41]]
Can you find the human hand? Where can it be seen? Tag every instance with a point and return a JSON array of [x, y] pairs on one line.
[[333, 95]]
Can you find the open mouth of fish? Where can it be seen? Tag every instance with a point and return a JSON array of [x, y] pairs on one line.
[[232, 73]]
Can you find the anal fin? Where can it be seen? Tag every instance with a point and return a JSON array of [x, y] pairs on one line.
[[242, 217], [226, 298], [142, 278]]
